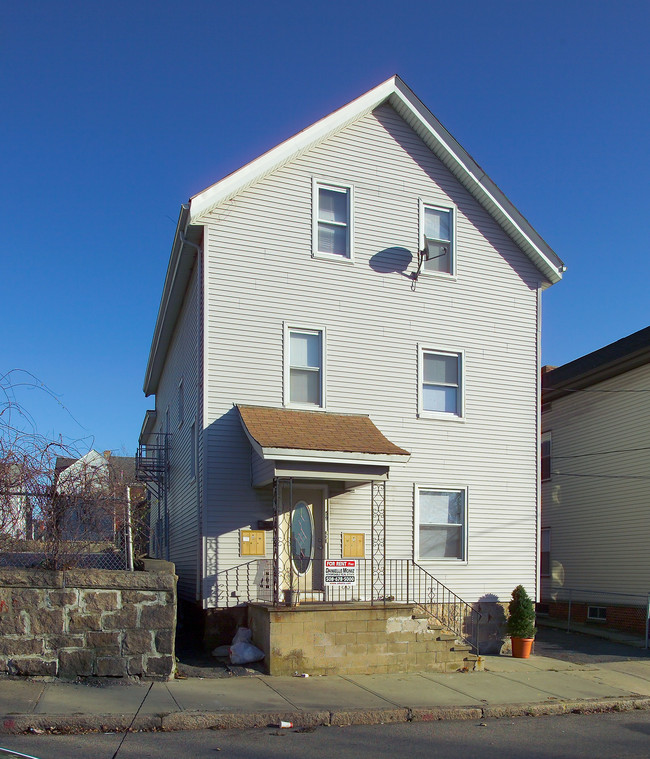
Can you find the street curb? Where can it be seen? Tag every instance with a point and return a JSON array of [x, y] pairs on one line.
[[241, 720], [566, 707], [13, 724]]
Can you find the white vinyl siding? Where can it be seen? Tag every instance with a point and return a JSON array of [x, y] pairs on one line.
[[596, 504], [260, 274], [178, 394]]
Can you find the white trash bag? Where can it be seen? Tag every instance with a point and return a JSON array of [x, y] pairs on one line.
[[243, 635], [245, 653], [242, 651]]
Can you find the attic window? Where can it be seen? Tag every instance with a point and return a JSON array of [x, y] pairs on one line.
[[437, 237], [332, 223]]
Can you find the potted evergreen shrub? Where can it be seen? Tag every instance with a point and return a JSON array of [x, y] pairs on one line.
[[521, 622]]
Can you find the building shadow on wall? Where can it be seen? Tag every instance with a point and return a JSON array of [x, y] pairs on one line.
[[492, 634]]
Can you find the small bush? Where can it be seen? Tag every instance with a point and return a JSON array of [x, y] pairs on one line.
[[521, 615]]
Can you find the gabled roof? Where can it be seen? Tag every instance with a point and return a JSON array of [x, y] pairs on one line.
[[396, 93], [279, 433], [393, 92], [616, 358]]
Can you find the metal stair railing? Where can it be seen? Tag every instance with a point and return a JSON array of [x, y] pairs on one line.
[[409, 582]]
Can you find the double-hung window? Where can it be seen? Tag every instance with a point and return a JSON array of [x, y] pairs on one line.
[[546, 456], [441, 528], [332, 221], [437, 239], [545, 553], [441, 384], [305, 367]]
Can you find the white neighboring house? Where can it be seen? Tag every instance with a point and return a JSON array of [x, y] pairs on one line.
[[596, 485], [324, 390]]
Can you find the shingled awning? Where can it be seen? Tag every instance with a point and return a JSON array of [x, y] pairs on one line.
[[338, 446]]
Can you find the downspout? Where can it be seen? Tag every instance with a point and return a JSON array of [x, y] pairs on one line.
[[198, 425], [538, 433]]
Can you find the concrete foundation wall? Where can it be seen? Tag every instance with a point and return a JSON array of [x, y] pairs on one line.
[[87, 622], [355, 639]]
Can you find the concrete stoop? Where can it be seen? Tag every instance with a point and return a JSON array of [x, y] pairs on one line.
[[354, 639]]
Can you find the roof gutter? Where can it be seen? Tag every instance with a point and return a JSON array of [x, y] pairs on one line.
[[181, 261]]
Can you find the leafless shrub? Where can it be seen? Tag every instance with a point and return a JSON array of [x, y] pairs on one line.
[[59, 509]]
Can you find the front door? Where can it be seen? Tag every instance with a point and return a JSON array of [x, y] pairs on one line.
[[307, 526]]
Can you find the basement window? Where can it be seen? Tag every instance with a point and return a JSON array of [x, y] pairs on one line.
[[597, 613]]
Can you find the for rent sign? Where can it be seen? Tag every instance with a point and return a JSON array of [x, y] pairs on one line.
[[340, 572]]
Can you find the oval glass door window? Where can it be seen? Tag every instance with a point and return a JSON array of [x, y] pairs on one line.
[[302, 537]]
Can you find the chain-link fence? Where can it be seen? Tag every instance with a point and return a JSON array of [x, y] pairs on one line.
[[100, 530], [625, 612]]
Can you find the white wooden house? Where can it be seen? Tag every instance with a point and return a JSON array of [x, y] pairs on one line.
[[596, 486], [345, 364]]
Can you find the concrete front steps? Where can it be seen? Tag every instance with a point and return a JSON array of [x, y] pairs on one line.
[[463, 656]]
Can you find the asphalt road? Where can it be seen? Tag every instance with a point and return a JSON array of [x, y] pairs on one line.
[[615, 735]]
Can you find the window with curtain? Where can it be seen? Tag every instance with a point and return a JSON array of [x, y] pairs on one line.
[[441, 383], [441, 528]]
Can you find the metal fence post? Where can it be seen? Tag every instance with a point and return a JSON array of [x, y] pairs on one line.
[[568, 619]]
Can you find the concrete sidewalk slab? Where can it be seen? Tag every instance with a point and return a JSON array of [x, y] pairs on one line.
[[490, 687], [564, 685], [73, 698], [332, 693], [249, 694], [18, 697], [534, 664], [613, 679], [636, 667], [414, 691]]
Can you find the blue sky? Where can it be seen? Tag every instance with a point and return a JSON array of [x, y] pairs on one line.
[[116, 113]]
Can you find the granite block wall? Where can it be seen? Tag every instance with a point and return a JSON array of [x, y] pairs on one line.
[[87, 623]]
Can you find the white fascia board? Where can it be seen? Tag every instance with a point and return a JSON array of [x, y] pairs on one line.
[[205, 201], [170, 303], [478, 182], [148, 424], [330, 457]]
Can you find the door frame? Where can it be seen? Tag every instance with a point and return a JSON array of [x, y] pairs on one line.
[[324, 490]]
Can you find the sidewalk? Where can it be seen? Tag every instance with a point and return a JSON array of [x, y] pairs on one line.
[[506, 687]]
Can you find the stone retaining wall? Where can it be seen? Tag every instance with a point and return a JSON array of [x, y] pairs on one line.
[[87, 622]]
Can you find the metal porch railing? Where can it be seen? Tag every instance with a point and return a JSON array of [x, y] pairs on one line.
[[405, 582]]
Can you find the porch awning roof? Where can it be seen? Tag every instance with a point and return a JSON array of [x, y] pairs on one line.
[[317, 436]]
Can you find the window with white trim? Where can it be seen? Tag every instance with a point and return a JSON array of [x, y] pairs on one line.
[[441, 523], [437, 238], [332, 227], [305, 367], [545, 553], [441, 384], [193, 446], [180, 403], [546, 451]]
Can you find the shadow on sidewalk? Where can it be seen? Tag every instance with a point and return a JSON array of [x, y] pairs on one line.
[[583, 649]]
